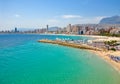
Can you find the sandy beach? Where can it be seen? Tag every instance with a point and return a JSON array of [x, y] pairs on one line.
[[104, 55], [91, 36]]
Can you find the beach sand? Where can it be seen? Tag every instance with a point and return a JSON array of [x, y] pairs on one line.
[[104, 55]]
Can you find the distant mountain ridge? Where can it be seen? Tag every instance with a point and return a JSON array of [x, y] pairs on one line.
[[111, 20], [25, 29], [53, 29]]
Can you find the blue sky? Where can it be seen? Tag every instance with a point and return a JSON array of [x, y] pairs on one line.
[[38, 13]]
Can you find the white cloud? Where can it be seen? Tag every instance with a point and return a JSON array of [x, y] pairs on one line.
[[53, 21], [71, 16], [60, 20], [75, 19], [100, 17], [17, 15], [95, 20]]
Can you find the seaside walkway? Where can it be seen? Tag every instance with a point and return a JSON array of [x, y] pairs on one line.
[[80, 46]]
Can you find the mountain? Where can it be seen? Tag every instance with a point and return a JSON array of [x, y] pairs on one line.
[[25, 29], [53, 29], [110, 20]]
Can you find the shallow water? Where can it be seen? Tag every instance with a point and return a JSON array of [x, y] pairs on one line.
[[25, 61]]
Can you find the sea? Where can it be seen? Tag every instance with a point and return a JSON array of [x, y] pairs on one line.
[[23, 60]]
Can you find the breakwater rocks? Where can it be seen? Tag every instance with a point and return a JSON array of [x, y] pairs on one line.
[[63, 43]]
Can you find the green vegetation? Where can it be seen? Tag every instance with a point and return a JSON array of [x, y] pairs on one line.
[[111, 43], [113, 49], [108, 34]]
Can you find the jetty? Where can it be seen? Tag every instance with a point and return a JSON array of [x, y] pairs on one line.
[[70, 44]]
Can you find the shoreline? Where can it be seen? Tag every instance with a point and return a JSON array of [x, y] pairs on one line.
[[103, 55], [100, 52], [91, 36], [94, 36], [80, 46]]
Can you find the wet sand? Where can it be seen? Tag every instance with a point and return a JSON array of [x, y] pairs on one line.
[[104, 55]]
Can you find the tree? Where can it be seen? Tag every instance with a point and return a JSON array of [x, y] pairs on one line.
[[110, 43]]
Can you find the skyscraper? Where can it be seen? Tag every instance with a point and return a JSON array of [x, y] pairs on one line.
[[69, 28], [16, 29], [47, 28]]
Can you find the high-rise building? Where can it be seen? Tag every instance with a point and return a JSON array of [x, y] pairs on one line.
[[47, 28], [69, 28], [16, 29]]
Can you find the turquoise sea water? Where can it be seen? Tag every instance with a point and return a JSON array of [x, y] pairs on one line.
[[25, 61]]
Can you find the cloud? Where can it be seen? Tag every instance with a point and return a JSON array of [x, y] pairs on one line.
[[100, 17], [53, 21], [75, 19], [71, 16], [92, 20], [17, 15]]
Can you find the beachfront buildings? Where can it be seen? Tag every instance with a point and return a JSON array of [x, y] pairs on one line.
[[115, 31], [80, 29], [93, 29], [77, 29], [69, 29]]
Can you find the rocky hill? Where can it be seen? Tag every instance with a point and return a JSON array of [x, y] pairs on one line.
[[110, 20]]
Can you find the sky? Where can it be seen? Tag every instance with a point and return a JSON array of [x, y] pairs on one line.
[[39, 13]]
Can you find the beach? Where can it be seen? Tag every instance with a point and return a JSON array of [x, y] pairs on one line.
[[104, 56], [89, 36]]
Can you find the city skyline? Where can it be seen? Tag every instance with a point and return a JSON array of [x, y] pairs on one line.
[[39, 13]]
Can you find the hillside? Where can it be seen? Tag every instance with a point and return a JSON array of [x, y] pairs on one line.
[[110, 20]]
